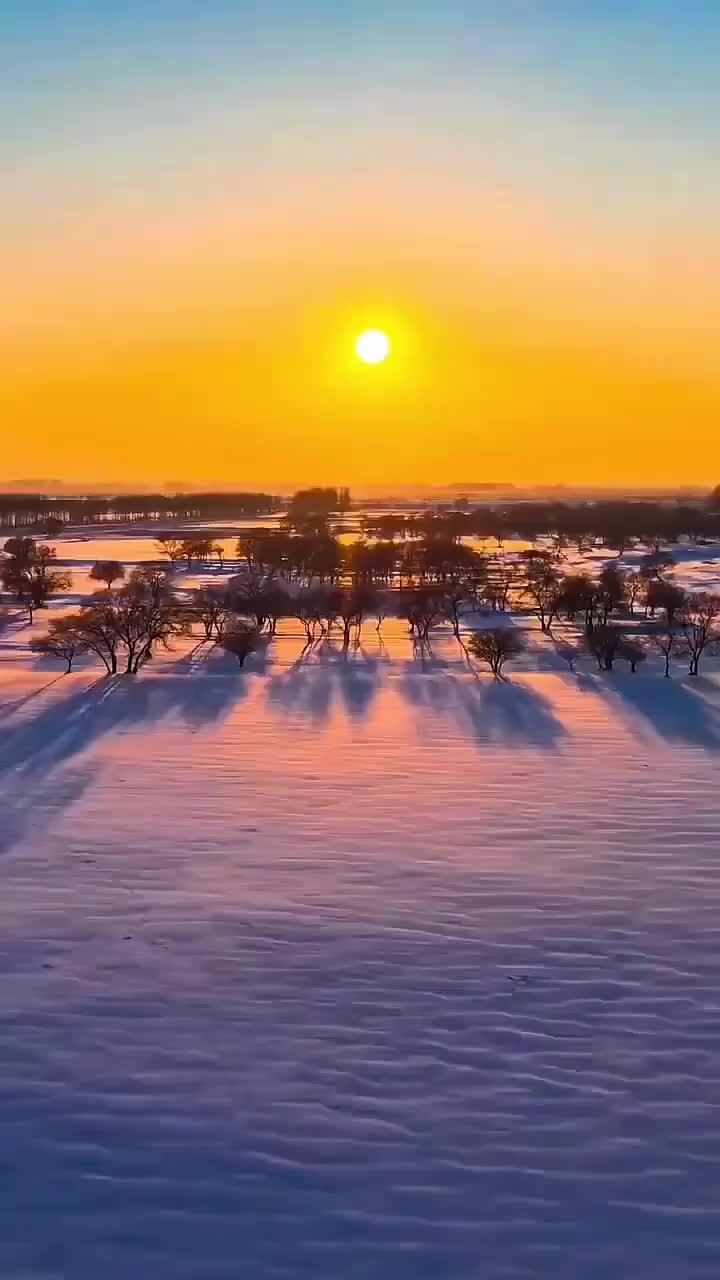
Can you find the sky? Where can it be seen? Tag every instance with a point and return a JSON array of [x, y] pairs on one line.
[[206, 201]]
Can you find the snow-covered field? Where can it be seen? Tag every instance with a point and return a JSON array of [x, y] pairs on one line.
[[364, 968]]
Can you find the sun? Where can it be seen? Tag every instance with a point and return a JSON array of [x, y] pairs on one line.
[[373, 346]]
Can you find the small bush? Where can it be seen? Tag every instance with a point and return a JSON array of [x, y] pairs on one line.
[[242, 641], [496, 646]]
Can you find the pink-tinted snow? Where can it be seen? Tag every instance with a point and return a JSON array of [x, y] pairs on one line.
[[358, 968]]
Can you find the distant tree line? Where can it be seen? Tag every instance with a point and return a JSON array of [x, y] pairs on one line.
[[617, 524], [51, 515]]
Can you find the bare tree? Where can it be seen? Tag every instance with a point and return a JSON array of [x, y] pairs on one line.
[[458, 597], [142, 614], [634, 583], [496, 646], [21, 551], [383, 606], [29, 573], [543, 587], [313, 608], [578, 595], [700, 623], [200, 549], [147, 613], [559, 543], [189, 551], [277, 604], [107, 571], [632, 651], [64, 640], [170, 547], [663, 595], [604, 641], [213, 608], [42, 585], [96, 627], [350, 605], [500, 581], [666, 642], [611, 591], [424, 608], [263, 599]]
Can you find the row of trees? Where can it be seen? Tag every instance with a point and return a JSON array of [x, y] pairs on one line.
[[124, 625], [316, 553], [550, 592], [145, 609], [533, 579], [121, 627], [195, 550], [428, 558], [616, 524], [52, 515]]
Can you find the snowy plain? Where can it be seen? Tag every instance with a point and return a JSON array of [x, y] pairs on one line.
[[359, 968]]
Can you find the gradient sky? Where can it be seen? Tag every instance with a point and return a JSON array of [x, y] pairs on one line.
[[204, 202]]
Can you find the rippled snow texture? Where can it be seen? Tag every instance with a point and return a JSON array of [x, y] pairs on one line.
[[360, 972]]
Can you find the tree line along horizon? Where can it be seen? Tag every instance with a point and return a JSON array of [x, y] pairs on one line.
[[606, 518], [416, 568]]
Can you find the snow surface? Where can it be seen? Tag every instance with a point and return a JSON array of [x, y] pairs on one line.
[[360, 969]]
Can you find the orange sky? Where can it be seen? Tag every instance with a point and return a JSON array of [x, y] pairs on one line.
[[191, 314]]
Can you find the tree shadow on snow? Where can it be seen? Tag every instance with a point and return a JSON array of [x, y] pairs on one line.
[[14, 704], [207, 657], [488, 711], [680, 711], [30, 804], [69, 726], [325, 675]]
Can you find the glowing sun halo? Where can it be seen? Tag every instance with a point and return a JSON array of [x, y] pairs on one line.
[[373, 346]]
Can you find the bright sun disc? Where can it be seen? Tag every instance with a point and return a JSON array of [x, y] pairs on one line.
[[373, 347]]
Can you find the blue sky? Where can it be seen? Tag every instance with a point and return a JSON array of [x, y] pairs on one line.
[[596, 79]]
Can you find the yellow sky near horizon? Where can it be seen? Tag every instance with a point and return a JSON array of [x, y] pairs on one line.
[[205, 363], [554, 316]]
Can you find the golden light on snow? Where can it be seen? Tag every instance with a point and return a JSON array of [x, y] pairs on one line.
[[373, 346]]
